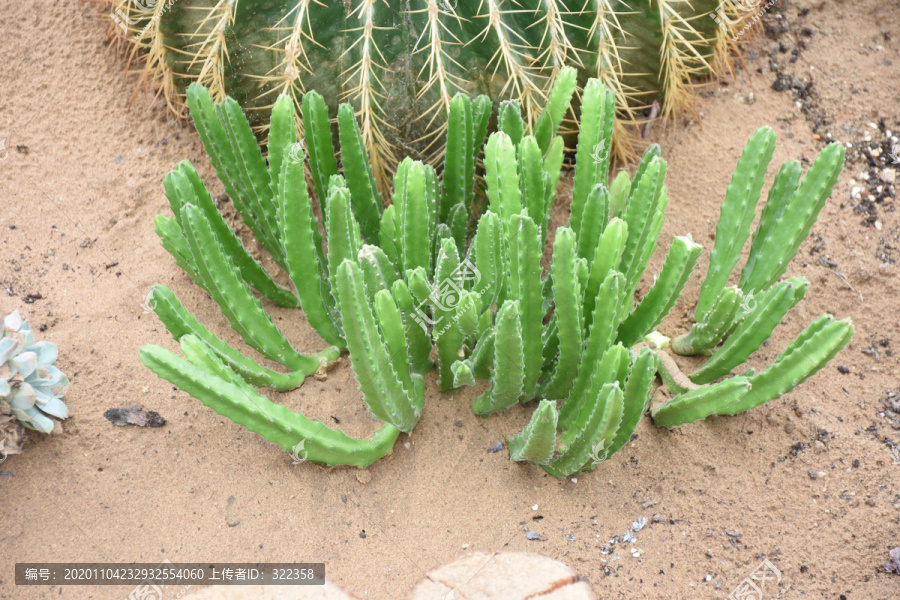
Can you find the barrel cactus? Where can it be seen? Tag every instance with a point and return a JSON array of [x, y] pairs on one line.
[[400, 62], [31, 386]]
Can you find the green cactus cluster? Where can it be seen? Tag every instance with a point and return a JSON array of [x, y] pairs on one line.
[[399, 63], [731, 322], [450, 276], [31, 385]]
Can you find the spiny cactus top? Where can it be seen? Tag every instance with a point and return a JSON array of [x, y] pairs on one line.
[[400, 62], [31, 387]]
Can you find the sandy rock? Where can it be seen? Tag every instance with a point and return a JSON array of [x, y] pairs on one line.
[[507, 576], [329, 591]]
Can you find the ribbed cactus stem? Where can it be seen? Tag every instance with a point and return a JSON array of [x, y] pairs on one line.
[[737, 213], [811, 351], [508, 374], [765, 311], [316, 126], [378, 351], [364, 195], [721, 320], [489, 259], [586, 441], [377, 270], [788, 217], [416, 334], [304, 256], [184, 186], [342, 232], [569, 316], [232, 150], [243, 405], [699, 403], [180, 323], [592, 158], [606, 257], [242, 309], [636, 397], [537, 442], [679, 264], [524, 277], [643, 215], [501, 177]]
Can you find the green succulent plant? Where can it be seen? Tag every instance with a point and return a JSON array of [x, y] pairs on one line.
[[400, 63], [733, 321], [449, 274], [31, 385]]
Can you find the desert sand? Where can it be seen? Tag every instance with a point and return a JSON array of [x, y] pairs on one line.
[[808, 482]]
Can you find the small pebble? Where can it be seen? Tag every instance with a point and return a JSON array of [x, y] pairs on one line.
[[812, 474], [532, 536], [789, 427], [870, 502]]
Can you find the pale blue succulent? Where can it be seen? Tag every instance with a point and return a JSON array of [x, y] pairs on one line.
[[31, 386]]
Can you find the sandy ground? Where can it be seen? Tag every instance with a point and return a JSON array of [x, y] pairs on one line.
[[808, 482]]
